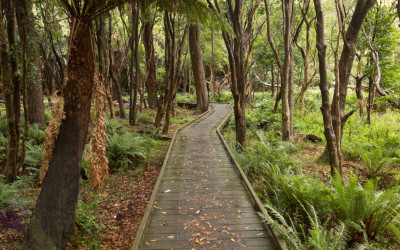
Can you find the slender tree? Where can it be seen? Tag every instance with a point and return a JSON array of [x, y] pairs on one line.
[[10, 171], [324, 87], [53, 218]]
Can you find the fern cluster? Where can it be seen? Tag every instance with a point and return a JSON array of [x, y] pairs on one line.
[[308, 213]]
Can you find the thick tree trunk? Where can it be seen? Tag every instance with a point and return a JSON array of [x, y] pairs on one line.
[[324, 87], [53, 218], [151, 81], [198, 68], [10, 171]]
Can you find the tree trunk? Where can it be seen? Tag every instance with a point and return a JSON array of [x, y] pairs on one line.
[[134, 60], [10, 171], [212, 80], [198, 68], [371, 96], [287, 75], [151, 81], [35, 100], [273, 80], [347, 57], [324, 87], [53, 218]]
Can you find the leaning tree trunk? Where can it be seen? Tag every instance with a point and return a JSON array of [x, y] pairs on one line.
[[10, 171], [53, 218], [151, 81], [198, 68], [347, 58]]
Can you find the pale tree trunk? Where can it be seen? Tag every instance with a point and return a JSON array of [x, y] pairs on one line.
[[53, 218], [198, 68], [10, 171], [324, 87]]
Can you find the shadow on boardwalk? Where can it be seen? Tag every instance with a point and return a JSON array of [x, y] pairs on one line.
[[202, 202]]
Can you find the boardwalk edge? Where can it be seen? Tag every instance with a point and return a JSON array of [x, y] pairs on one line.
[[259, 206], [150, 206]]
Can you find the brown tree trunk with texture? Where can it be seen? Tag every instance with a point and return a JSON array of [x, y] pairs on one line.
[[198, 68], [151, 71], [324, 87], [53, 218], [10, 171]]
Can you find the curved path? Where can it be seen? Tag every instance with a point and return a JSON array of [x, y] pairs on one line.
[[202, 202]]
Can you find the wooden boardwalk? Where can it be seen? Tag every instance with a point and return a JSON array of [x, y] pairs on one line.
[[202, 202]]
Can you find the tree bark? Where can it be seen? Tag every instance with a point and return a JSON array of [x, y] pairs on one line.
[[198, 68], [347, 57], [53, 218], [134, 60], [10, 171], [287, 75], [151, 81], [35, 100], [324, 87]]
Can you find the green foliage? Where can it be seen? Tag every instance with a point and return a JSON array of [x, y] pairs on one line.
[[367, 211], [375, 163], [33, 156], [87, 226], [36, 134], [123, 151], [9, 192], [224, 97], [145, 118], [114, 127]]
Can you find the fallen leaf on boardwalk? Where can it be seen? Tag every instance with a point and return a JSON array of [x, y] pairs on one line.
[[164, 212], [170, 237], [153, 240], [167, 191], [198, 211], [259, 234], [232, 239], [147, 243]]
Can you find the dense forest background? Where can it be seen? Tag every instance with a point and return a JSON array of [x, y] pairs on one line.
[[91, 89]]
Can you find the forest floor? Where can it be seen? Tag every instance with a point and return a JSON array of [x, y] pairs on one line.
[[113, 212], [314, 165]]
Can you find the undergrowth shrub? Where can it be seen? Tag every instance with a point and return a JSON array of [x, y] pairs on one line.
[[123, 151], [36, 134], [87, 232], [33, 156], [145, 118], [114, 127]]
